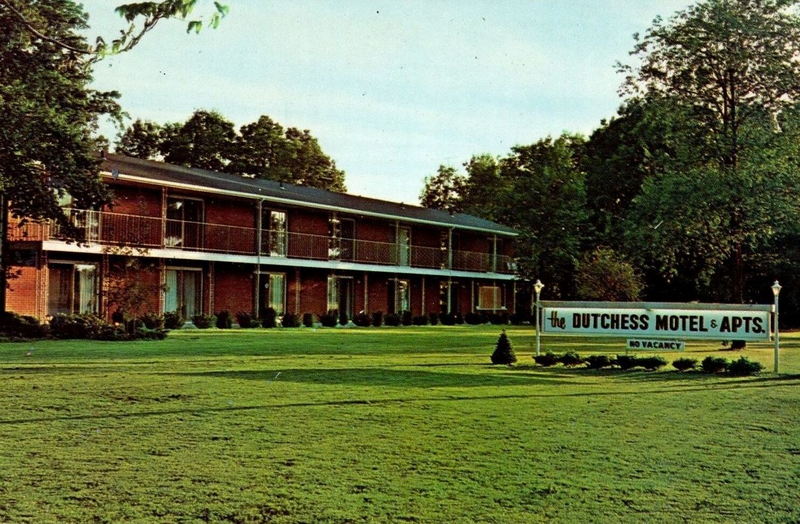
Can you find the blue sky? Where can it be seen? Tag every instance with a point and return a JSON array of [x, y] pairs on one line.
[[390, 89]]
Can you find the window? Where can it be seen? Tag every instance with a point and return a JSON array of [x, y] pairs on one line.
[[183, 292], [399, 296], [72, 288], [273, 295], [403, 246], [490, 297], [274, 235], [184, 222], [341, 235]]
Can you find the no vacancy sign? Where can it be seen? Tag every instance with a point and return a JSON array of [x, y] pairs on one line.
[[657, 320]]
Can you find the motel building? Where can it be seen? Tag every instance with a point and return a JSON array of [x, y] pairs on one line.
[[206, 242]]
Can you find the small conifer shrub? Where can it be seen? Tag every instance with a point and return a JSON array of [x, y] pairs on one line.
[[546, 360], [714, 364], [651, 363], [684, 364], [570, 359], [598, 361], [626, 362], [744, 367], [503, 352]]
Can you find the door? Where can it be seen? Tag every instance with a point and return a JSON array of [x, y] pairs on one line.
[[72, 288], [273, 294], [183, 292], [340, 295], [274, 234]]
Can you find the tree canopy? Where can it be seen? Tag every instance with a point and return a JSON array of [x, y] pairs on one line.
[[263, 149]]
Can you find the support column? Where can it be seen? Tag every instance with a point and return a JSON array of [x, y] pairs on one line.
[[298, 285], [163, 216], [211, 285], [257, 278], [366, 292], [423, 312]]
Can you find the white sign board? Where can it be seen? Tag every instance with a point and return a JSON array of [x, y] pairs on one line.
[[661, 345], [661, 320]]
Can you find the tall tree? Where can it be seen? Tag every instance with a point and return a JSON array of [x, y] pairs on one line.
[[547, 205], [732, 68], [143, 139], [444, 190], [262, 149], [309, 165], [204, 141], [50, 114]]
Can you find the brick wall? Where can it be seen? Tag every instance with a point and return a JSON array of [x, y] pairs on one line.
[[233, 288], [133, 200]]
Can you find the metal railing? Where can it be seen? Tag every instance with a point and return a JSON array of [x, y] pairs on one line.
[[118, 229]]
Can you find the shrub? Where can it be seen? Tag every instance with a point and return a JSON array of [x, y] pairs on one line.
[[683, 364], [447, 319], [499, 319], [503, 352], [458, 318], [224, 320], [570, 359], [433, 318], [86, 326], [517, 319], [744, 367], [329, 319], [308, 319], [290, 320], [173, 320], [269, 318], [598, 361], [714, 364], [626, 362], [343, 318], [377, 318], [420, 320], [405, 318], [150, 334], [392, 319], [603, 274], [204, 321], [361, 320], [546, 360], [651, 363], [23, 326], [474, 319], [152, 321], [245, 320]]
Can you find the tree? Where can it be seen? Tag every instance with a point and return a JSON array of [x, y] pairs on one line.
[[204, 141], [547, 205], [732, 68], [604, 275], [47, 146], [309, 165], [143, 139], [503, 352], [262, 149], [444, 190]]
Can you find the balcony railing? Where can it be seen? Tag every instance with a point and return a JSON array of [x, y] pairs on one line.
[[116, 229]]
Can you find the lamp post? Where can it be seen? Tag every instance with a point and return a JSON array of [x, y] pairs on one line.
[[776, 290], [537, 288]]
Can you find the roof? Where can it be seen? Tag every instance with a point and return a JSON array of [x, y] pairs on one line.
[[161, 173]]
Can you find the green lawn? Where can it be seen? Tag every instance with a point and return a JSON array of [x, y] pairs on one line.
[[389, 424]]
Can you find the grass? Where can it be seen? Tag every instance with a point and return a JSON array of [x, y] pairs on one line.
[[401, 424]]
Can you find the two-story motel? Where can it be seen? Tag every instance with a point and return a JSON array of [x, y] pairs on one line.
[[214, 241]]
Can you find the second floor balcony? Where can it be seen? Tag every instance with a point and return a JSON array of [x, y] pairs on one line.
[[136, 231]]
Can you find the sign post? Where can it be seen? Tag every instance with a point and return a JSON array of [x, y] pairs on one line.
[[537, 287], [776, 290]]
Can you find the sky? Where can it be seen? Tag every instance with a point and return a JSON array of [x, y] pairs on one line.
[[391, 89]]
